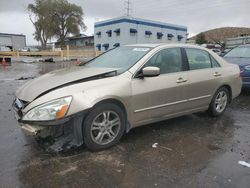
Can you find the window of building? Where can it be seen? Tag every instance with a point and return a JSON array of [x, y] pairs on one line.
[[106, 46], [148, 34], [117, 31], [116, 45], [179, 37], [98, 46], [99, 34], [198, 59], [109, 33], [170, 36], [159, 35], [168, 60], [133, 32]]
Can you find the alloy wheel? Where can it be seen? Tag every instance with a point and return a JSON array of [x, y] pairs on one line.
[[105, 127], [221, 101]]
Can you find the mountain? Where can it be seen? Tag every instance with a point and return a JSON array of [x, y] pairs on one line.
[[220, 34]]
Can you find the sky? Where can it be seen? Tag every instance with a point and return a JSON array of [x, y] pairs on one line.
[[197, 15]]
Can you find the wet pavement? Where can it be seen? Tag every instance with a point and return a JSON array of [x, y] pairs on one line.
[[192, 151]]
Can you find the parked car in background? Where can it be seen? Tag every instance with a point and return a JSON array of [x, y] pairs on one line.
[[5, 49], [241, 56], [224, 52], [126, 87], [216, 50], [29, 49]]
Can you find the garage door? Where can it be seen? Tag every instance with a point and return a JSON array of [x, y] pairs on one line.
[[5, 41]]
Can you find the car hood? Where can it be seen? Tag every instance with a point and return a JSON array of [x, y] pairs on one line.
[[60, 78], [238, 61]]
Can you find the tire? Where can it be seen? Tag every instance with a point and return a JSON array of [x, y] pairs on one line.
[[104, 126], [219, 102]]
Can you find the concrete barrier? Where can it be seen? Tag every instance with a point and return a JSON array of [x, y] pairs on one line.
[[66, 54]]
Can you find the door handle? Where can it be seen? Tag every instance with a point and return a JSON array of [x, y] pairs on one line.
[[217, 74], [181, 80]]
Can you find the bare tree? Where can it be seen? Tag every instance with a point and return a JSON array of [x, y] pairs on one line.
[[40, 14], [55, 18], [68, 18]]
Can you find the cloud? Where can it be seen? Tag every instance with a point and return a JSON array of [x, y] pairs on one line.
[[195, 14], [7, 6], [17, 23]]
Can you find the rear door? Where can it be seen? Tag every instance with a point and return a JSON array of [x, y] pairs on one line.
[[204, 77], [159, 96]]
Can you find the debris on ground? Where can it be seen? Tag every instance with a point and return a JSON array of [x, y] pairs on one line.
[[155, 145], [29, 61], [26, 78], [212, 147], [39, 60], [49, 60], [243, 163], [169, 149]]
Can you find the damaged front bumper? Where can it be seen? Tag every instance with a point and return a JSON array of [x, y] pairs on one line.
[[56, 136], [32, 130]]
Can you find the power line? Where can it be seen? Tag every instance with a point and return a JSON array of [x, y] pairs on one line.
[[128, 8]]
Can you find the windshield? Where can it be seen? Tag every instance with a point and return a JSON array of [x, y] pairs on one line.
[[121, 58], [241, 52]]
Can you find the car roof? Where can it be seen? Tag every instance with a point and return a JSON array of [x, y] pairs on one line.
[[166, 45], [244, 45], [143, 45]]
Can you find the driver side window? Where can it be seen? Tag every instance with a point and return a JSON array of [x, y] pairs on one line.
[[168, 60]]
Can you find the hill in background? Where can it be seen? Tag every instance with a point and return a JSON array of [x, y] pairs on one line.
[[220, 34]]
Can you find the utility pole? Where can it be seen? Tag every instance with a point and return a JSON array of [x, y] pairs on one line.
[[128, 8]]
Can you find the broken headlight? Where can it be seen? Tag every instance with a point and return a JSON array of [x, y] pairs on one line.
[[52, 110]]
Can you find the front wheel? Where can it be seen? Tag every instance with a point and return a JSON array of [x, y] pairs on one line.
[[104, 126], [219, 102]]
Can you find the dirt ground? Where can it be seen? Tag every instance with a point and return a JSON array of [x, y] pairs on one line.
[[192, 151]]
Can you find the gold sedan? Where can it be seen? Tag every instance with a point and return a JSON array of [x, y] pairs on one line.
[[129, 86]]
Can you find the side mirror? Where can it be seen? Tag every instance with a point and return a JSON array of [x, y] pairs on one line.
[[150, 71]]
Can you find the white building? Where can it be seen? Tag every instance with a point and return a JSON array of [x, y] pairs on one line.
[[234, 42], [129, 30], [13, 41]]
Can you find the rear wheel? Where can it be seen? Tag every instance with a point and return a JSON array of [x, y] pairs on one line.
[[104, 126], [219, 102]]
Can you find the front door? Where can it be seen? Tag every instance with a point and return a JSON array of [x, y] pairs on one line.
[[163, 95]]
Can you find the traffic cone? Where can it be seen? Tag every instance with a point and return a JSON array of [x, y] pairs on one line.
[[4, 62], [78, 62]]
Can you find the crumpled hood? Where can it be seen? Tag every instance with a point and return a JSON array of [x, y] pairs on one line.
[[34, 88]]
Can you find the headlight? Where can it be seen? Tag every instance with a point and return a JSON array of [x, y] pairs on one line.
[[247, 67], [52, 110]]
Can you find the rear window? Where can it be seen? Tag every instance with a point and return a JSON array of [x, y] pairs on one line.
[[214, 62], [198, 59]]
